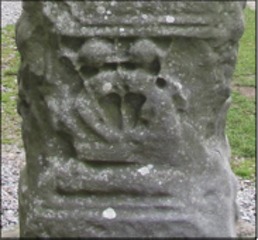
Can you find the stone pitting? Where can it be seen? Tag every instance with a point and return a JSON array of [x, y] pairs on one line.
[[124, 118]]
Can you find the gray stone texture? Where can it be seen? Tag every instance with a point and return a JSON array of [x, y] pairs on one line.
[[124, 107]]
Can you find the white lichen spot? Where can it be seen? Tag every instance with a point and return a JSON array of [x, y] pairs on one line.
[[109, 213], [145, 170], [170, 19], [107, 87], [150, 166], [84, 29], [178, 85], [103, 176], [144, 16], [109, 12], [113, 3], [121, 29], [101, 9]]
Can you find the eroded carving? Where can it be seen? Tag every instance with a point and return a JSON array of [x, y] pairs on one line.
[[127, 101]]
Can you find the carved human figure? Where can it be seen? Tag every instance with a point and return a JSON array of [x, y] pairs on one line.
[[128, 102]]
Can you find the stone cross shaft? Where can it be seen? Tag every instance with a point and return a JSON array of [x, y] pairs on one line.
[[123, 107]]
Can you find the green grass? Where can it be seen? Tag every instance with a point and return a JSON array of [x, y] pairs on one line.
[[245, 70], [11, 133], [241, 126], [244, 168], [240, 120], [241, 116]]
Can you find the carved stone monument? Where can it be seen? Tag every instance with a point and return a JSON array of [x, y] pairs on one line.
[[123, 106]]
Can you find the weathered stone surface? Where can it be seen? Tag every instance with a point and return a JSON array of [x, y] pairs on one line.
[[243, 229], [124, 107]]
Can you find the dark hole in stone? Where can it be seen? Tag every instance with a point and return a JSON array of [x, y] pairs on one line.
[[111, 104], [107, 163], [72, 42], [133, 105], [162, 42], [101, 120], [110, 66], [89, 71], [127, 88], [136, 100], [161, 82], [145, 122], [67, 141], [128, 66], [155, 66]]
